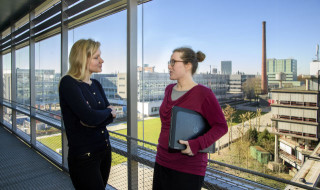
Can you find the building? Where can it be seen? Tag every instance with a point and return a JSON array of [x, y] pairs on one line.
[[219, 84], [214, 71], [122, 85], [46, 87], [23, 86], [146, 68], [295, 120], [315, 64], [109, 85], [46, 83], [7, 86], [226, 67], [151, 87], [286, 66], [314, 67], [236, 82]]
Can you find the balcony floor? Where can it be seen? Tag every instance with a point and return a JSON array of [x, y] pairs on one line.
[[23, 168]]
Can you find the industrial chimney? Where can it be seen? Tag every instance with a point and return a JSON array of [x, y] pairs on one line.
[[264, 82]]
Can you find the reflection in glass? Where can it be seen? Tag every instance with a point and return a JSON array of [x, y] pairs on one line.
[[49, 136], [22, 68], [111, 33], [7, 76], [7, 117], [23, 123], [47, 75]]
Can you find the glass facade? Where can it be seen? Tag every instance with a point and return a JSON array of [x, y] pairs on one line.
[[286, 66], [162, 26], [47, 74], [7, 76], [23, 78]]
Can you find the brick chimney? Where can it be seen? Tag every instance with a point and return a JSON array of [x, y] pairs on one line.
[[264, 82]]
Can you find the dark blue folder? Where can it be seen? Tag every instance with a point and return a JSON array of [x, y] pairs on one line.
[[187, 124]]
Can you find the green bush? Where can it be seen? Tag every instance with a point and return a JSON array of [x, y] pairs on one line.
[[266, 140], [252, 136]]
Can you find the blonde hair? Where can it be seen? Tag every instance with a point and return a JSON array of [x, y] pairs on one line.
[[80, 52]]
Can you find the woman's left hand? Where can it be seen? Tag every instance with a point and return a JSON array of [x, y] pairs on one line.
[[188, 149]]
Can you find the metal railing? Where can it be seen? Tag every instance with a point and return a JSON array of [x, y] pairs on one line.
[[218, 175]]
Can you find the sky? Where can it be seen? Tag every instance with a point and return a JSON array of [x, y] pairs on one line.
[[222, 29]]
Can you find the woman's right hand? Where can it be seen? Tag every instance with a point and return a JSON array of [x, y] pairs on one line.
[[113, 112]]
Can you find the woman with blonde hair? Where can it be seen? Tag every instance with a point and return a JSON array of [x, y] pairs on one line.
[[86, 112]]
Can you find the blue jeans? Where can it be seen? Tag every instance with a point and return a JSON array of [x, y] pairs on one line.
[[90, 171]]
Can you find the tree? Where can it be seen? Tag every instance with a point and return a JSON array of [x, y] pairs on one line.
[[299, 78], [249, 115], [266, 140], [258, 117], [243, 118], [252, 136], [252, 88], [228, 112]]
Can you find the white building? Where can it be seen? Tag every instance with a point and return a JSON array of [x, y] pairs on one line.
[[295, 118], [314, 67]]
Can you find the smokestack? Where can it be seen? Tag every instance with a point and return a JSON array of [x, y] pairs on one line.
[[264, 82]]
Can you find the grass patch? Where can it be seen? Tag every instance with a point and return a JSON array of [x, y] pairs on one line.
[[239, 155], [117, 159], [53, 142], [151, 132]]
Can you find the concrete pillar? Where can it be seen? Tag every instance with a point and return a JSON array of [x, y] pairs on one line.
[[276, 149]]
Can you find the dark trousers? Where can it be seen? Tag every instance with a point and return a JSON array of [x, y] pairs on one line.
[[90, 171], [168, 179]]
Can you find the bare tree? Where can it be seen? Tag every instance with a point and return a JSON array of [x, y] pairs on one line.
[[228, 112], [243, 118], [252, 88], [259, 117], [249, 115]]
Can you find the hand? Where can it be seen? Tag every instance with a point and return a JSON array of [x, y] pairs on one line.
[[113, 112], [188, 149]]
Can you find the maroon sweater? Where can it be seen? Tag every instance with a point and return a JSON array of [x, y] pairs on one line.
[[202, 100]]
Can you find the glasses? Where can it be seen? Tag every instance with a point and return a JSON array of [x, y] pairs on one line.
[[172, 62]]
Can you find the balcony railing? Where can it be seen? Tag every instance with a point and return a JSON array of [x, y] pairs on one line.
[[140, 162], [294, 103]]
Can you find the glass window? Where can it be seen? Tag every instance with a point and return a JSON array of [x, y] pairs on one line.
[[47, 75], [48, 136], [7, 117], [23, 123], [111, 33], [23, 78], [7, 112], [227, 32], [7, 76]]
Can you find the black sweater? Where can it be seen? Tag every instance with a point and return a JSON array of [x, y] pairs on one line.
[[85, 115]]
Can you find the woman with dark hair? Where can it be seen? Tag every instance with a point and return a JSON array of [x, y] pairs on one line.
[[86, 112], [186, 169]]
